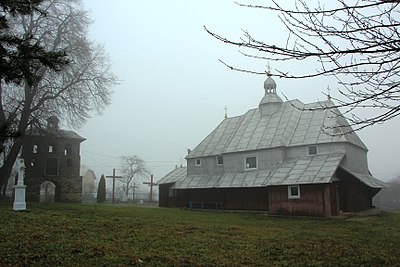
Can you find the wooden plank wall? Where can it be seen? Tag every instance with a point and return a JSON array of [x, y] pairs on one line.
[[315, 200], [230, 198]]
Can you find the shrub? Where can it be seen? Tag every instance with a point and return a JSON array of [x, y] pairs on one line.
[[101, 190]]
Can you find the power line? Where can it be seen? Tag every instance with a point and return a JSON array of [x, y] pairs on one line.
[[114, 157], [94, 153], [102, 164]]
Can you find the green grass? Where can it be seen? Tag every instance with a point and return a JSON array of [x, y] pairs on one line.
[[107, 235]]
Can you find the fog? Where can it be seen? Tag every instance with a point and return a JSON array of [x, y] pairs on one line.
[[173, 90]]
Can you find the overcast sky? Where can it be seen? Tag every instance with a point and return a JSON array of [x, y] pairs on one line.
[[173, 89]]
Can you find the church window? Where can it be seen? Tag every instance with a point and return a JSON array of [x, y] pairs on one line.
[[198, 162], [312, 150], [51, 148], [171, 192], [251, 162], [35, 149], [220, 160], [67, 150], [294, 192], [51, 167]]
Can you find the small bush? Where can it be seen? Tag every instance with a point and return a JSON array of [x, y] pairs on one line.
[[101, 191]]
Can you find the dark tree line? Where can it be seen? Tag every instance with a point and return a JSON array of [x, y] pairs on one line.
[[357, 42]]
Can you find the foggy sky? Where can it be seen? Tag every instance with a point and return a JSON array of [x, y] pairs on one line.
[[173, 89]]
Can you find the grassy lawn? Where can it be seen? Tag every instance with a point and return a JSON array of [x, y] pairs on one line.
[[107, 235]]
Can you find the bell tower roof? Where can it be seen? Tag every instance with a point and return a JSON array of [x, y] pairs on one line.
[[270, 95], [269, 85]]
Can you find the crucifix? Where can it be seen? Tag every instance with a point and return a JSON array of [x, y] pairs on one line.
[[113, 177], [151, 184]]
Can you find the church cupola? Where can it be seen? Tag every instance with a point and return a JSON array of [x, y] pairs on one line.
[[271, 101], [270, 85]]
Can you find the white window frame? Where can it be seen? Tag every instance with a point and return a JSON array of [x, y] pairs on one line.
[[171, 192], [245, 162], [197, 164], [308, 150], [220, 164], [67, 150], [290, 196]]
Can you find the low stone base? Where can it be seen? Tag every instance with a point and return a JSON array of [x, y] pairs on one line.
[[19, 198], [21, 206]]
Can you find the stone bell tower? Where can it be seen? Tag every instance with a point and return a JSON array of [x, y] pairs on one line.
[[52, 157]]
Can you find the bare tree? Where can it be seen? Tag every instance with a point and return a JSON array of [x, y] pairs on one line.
[[389, 197], [395, 181], [131, 167], [81, 87], [357, 42], [21, 55]]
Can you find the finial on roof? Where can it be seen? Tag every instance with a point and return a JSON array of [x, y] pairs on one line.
[[329, 93], [271, 101], [269, 84], [226, 112], [269, 70]]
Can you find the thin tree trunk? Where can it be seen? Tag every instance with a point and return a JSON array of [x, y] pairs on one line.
[[5, 170], [127, 190]]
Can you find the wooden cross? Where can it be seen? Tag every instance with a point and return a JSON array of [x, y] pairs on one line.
[[151, 184], [113, 177]]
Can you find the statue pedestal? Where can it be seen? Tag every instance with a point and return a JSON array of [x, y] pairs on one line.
[[19, 200], [19, 189]]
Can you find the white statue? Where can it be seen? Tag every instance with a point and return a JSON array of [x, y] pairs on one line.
[[19, 189]]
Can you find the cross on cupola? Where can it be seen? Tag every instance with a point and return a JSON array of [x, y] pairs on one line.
[[269, 69], [329, 93], [269, 84]]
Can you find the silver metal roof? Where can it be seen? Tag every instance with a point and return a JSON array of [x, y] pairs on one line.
[[292, 124], [307, 170], [316, 169], [173, 176], [366, 179]]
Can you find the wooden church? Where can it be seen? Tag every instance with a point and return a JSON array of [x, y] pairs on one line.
[[286, 158]]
